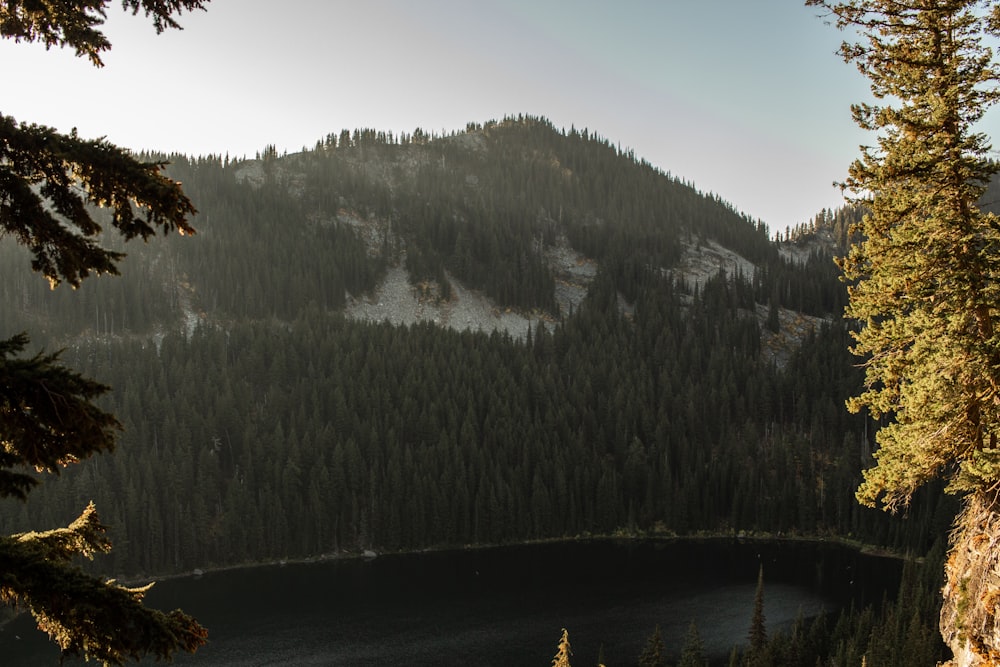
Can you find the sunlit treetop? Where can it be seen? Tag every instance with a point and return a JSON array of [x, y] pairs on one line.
[[926, 273]]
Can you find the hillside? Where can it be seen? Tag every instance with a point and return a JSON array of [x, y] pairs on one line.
[[509, 333], [506, 333], [496, 227]]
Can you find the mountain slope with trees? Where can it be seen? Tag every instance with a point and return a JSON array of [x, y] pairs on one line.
[[262, 423], [482, 207], [291, 431]]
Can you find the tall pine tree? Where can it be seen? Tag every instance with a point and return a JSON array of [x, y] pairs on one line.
[[925, 274], [756, 655], [693, 652], [653, 654]]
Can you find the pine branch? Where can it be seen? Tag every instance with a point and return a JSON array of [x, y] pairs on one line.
[[47, 417], [75, 23], [85, 616], [49, 183]]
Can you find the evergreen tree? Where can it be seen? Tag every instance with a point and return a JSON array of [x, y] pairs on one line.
[[926, 288], [756, 655], [926, 269], [653, 654], [563, 653], [693, 652], [48, 182]]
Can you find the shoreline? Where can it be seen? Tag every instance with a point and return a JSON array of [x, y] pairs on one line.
[[369, 554], [666, 538]]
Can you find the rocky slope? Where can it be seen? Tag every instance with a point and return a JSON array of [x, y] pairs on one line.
[[970, 618], [398, 301]]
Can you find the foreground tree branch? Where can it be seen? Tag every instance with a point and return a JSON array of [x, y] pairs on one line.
[[75, 23], [50, 185], [87, 617]]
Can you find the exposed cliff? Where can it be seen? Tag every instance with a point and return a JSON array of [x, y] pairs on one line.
[[970, 623]]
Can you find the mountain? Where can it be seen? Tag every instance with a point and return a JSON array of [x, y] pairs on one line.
[[498, 226], [506, 333]]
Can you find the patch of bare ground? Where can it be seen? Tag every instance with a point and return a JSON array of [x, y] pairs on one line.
[[793, 327], [396, 301], [704, 260]]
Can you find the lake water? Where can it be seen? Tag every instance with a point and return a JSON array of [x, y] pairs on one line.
[[503, 606]]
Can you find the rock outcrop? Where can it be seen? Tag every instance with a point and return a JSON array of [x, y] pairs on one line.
[[970, 622]]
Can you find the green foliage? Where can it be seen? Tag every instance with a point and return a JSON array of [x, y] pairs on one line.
[[74, 23], [693, 651], [47, 417], [564, 652], [49, 184], [85, 616], [925, 272], [49, 179], [654, 653], [329, 435], [756, 655]]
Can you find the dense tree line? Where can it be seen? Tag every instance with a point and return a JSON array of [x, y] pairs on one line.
[[278, 429], [257, 441], [373, 436]]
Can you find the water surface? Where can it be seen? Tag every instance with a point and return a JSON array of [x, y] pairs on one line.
[[503, 606]]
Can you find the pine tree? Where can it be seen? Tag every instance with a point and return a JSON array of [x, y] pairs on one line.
[[926, 264], [563, 653], [653, 653], [757, 651], [926, 288], [49, 183], [693, 652]]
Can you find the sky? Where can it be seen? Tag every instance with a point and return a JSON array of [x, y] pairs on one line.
[[745, 100]]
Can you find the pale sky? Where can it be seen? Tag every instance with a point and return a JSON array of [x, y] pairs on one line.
[[746, 99]]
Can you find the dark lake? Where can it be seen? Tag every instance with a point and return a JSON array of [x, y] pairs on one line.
[[503, 606]]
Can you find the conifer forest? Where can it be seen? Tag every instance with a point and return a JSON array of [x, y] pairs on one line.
[[264, 421]]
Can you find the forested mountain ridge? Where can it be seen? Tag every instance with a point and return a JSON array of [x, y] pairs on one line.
[[262, 423], [525, 215], [507, 222]]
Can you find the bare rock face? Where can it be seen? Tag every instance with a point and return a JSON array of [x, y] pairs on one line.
[[970, 623]]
